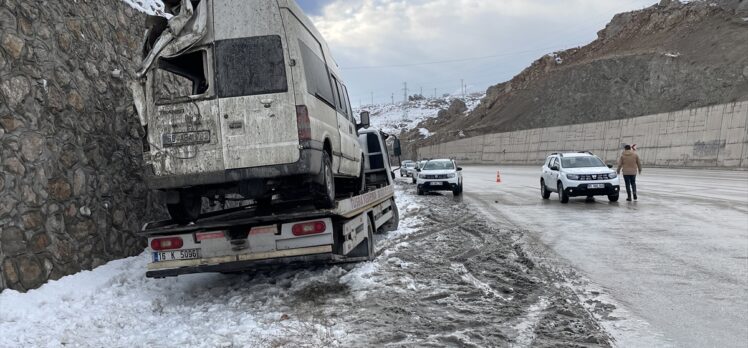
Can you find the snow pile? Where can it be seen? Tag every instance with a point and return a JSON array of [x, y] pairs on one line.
[[150, 7], [424, 132], [116, 306], [402, 117]]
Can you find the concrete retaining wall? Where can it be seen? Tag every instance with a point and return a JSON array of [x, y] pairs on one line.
[[715, 136]]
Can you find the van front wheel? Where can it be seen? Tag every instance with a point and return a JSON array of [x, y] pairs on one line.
[[326, 194]]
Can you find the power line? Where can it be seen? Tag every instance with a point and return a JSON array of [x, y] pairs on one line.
[[450, 60]]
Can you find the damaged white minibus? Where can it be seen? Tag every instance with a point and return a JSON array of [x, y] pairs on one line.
[[242, 98]]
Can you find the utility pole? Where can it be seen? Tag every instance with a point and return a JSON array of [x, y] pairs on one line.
[[393, 98], [372, 98], [462, 88], [422, 91], [434, 93], [405, 92]]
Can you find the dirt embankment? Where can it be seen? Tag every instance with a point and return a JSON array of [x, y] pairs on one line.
[[667, 57]]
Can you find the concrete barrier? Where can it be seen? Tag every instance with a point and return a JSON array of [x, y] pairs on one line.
[[715, 136]]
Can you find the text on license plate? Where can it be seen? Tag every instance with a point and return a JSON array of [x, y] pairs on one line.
[[185, 138], [187, 254], [595, 186], [436, 184]]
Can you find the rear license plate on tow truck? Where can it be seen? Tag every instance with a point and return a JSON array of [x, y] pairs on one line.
[[176, 255]]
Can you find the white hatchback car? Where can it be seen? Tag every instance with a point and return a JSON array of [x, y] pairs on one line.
[[440, 175], [578, 174]]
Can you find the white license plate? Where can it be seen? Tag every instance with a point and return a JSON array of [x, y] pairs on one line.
[[176, 255], [436, 184], [595, 186]]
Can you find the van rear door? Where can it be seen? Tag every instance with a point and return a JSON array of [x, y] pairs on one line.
[[256, 101]]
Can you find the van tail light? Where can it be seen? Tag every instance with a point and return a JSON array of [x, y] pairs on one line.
[[303, 123], [167, 243], [308, 228]]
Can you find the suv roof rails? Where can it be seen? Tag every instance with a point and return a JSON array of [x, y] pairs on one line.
[[557, 153], [587, 152]]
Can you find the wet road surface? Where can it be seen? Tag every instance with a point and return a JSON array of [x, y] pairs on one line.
[[676, 259]]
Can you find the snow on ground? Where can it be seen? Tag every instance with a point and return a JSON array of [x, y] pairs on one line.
[[116, 306], [400, 117]]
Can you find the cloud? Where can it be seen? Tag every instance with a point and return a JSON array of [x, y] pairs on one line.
[[389, 33]]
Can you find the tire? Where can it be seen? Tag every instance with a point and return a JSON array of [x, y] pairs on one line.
[[457, 191], [562, 196], [420, 192], [326, 195], [187, 210], [414, 179], [613, 198], [544, 190], [361, 181], [366, 247], [394, 222]]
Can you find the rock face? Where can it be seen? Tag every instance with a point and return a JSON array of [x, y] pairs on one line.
[[671, 56], [71, 195]]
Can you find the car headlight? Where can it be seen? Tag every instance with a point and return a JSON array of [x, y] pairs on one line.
[[612, 176], [422, 176], [450, 176], [572, 176]]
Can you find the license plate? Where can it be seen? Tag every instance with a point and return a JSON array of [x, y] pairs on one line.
[[176, 255], [595, 186], [436, 184], [185, 138]]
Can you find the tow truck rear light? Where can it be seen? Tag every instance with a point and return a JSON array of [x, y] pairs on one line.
[[308, 228], [167, 243], [303, 123]]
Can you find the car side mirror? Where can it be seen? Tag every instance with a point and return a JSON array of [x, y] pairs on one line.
[[364, 120], [396, 148], [554, 168], [418, 169], [459, 169], [610, 166]]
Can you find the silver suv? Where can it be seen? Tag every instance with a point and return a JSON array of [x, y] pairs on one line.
[[578, 174]]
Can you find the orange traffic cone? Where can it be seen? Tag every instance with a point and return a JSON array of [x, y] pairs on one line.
[[498, 176]]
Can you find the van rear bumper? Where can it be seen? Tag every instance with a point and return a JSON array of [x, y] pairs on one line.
[[309, 163]]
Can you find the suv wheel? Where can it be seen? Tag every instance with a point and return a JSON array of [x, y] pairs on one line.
[[562, 196], [326, 198], [544, 190], [613, 198]]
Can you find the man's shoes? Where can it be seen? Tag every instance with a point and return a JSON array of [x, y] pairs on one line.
[[629, 198], [635, 197]]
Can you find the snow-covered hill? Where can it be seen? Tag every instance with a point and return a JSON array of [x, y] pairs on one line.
[[402, 117]]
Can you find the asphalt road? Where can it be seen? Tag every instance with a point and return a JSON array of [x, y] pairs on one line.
[[677, 259]]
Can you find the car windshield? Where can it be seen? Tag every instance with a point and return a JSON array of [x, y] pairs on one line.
[[439, 165], [410, 165], [581, 162]]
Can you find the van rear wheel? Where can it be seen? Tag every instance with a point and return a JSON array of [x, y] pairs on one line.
[[187, 209], [326, 195]]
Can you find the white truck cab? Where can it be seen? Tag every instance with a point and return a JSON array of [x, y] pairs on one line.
[[243, 97]]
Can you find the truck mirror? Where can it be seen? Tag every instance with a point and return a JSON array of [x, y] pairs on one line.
[[396, 148], [364, 120]]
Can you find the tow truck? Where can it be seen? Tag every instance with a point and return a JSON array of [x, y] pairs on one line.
[[248, 238]]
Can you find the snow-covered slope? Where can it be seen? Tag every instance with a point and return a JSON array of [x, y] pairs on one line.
[[402, 117]]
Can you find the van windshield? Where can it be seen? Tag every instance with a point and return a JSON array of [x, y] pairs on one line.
[[250, 66]]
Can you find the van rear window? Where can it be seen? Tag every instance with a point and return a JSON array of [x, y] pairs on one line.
[[250, 66]]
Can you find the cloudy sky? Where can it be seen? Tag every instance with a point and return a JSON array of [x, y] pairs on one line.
[[433, 44]]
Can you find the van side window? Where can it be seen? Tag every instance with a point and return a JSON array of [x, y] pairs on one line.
[[250, 66], [339, 101], [348, 105], [317, 78]]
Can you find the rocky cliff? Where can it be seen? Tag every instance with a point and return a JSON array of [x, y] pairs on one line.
[[671, 56], [71, 197]]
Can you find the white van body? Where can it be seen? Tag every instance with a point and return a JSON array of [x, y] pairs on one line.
[[259, 100]]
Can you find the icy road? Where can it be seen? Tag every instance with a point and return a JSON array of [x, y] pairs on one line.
[[677, 259], [445, 278]]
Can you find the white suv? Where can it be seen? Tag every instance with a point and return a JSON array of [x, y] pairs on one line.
[[439, 175], [578, 174]]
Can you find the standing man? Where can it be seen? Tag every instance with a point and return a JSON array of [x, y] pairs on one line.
[[630, 165]]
